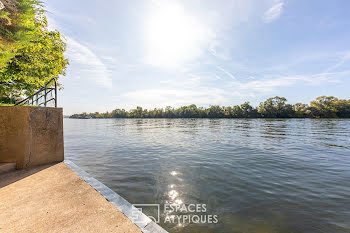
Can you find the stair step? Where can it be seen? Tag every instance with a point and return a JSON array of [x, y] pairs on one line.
[[7, 167]]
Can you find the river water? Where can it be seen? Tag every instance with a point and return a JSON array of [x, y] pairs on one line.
[[253, 175]]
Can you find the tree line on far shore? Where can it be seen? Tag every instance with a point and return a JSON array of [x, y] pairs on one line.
[[275, 107]]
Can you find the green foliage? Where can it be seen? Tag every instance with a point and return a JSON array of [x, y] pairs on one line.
[[324, 106], [235, 111], [248, 111], [301, 110], [342, 108], [216, 112], [30, 54], [275, 107], [17, 22]]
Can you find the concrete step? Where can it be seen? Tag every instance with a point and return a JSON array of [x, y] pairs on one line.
[[7, 167]]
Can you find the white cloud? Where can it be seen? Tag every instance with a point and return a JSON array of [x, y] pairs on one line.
[[345, 58], [175, 97], [213, 48], [226, 72], [174, 94], [79, 18], [267, 85], [51, 23], [273, 12], [271, 84], [90, 65]]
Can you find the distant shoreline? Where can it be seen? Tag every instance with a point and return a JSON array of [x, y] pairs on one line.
[[208, 118], [275, 107]]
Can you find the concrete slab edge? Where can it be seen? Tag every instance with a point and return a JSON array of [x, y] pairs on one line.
[[137, 217]]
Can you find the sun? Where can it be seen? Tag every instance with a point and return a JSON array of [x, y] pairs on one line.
[[173, 37]]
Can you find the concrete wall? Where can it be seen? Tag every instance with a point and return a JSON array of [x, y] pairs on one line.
[[31, 136]]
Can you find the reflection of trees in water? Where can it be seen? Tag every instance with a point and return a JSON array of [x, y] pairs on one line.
[[243, 123], [328, 132], [274, 128], [244, 127], [325, 132], [214, 125], [324, 124]]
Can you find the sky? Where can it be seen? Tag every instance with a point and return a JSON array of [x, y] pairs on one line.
[[158, 53]]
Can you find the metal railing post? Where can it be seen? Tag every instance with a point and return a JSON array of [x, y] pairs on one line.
[[55, 93], [45, 97], [46, 89]]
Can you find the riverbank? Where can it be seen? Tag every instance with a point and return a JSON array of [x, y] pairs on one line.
[[57, 198]]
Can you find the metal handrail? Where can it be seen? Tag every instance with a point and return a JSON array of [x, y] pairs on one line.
[[35, 98]]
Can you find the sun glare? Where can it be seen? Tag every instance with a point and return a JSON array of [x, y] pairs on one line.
[[173, 37]]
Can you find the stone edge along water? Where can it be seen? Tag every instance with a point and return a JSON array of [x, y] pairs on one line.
[[144, 223]]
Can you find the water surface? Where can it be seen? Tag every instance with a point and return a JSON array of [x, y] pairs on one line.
[[256, 175]]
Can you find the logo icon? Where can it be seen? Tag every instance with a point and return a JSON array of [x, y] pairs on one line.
[[150, 210]]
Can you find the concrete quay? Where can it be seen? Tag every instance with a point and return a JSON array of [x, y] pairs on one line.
[[40, 193], [54, 198]]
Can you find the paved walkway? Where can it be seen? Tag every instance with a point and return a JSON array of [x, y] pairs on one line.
[[55, 199]]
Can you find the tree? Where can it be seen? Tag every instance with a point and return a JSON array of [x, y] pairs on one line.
[[169, 112], [342, 107], [248, 111], [137, 113], [190, 111], [32, 54], [301, 110], [324, 107], [236, 112], [216, 111], [275, 107]]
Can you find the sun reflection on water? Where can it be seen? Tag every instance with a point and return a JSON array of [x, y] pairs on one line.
[[173, 173], [173, 194]]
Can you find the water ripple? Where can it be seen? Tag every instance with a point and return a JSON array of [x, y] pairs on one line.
[[257, 175]]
